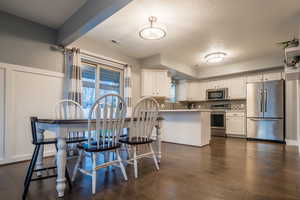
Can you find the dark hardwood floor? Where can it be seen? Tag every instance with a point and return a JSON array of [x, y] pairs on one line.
[[227, 169]]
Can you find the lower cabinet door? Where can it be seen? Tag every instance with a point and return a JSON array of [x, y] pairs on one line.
[[235, 125]]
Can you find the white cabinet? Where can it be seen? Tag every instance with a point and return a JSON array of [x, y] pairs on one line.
[[236, 88], [182, 90], [215, 84], [156, 83], [194, 91], [2, 96], [272, 76], [266, 76], [203, 86], [255, 78], [235, 123]]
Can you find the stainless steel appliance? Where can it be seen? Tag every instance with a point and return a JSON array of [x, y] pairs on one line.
[[265, 110], [218, 123], [217, 94], [218, 119]]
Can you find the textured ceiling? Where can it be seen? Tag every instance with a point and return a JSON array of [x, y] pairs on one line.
[[244, 29], [52, 13]]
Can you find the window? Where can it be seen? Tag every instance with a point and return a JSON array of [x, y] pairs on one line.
[[98, 80], [173, 92]]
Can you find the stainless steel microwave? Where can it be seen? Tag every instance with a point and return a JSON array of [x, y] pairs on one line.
[[217, 94]]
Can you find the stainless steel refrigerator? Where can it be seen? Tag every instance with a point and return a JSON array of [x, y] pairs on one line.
[[265, 110]]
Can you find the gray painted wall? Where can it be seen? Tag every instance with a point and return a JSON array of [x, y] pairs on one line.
[[291, 110], [26, 43]]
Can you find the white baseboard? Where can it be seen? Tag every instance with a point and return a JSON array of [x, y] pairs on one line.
[[23, 157], [291, 142]]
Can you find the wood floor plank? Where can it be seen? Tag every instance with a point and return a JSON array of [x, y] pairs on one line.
[[227, 169]]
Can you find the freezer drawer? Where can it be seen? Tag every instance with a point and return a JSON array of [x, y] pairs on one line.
[[266, 129]]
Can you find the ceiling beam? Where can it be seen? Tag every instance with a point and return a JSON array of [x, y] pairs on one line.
[[92, 13]]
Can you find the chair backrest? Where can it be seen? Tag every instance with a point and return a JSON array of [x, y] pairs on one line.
[[33, 121], [109, 111], [68, 109], [144, 116]]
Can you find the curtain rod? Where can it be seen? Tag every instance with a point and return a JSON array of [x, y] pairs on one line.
[[87, 53]]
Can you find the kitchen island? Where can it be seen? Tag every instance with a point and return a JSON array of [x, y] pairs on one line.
[[186, 126]]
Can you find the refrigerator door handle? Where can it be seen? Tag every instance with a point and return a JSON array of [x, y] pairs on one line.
[[265, 99], [264, 119], [261, 100]]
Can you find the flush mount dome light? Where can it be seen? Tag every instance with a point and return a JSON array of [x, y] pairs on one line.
[[152, 32], [215, 57]]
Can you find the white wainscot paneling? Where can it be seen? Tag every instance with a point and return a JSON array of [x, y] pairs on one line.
[[2, 93], [32, 92]]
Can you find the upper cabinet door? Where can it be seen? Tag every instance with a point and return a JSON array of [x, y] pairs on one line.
[[163, 83], [148, 87], [156, 83], [203, 86], [194, 91], [272, 76], [182, 90], [255, 78], [236, 88]]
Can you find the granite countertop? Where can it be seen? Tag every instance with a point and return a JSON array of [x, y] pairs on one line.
[[186, 110]]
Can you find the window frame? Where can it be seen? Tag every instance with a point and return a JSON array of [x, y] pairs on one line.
[[98, 67]]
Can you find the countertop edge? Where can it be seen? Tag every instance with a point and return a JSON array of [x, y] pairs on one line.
[[186, 110]]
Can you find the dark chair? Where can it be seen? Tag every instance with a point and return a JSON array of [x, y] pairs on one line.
[[32, 166]]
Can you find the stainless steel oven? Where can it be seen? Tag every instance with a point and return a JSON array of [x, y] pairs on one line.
[[218, 123], [217, 94]]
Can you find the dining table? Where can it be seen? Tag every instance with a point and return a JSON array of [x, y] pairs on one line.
[[61, 127]]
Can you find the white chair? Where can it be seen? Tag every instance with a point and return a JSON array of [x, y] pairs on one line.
[[108, 113], [69, 109], [143, 120]]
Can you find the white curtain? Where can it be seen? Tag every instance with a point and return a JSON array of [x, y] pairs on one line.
[[128, 89], [73, 76]]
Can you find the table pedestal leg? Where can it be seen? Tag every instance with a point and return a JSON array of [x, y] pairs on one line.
[[39, 162], [158, 140], [61, 165]]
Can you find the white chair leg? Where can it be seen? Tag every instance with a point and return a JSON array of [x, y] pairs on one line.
[[135, 162], [94, 175], [77, 165], [121, 165], [127, 151], [106, 158], [154, 156]]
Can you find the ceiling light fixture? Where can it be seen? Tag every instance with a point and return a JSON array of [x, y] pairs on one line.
[[152, 32], [215, 57]]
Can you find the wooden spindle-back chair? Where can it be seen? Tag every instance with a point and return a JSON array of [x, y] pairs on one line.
[[106, 123], [144, 117]]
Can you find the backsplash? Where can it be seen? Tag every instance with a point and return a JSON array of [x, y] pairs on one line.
[[235, 105]]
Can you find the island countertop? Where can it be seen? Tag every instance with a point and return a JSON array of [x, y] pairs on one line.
[[186, 110], [186, 126]]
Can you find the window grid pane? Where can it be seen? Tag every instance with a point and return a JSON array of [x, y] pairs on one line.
[[94, 86]]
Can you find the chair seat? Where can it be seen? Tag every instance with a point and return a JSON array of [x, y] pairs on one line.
[[76, 139], [68, 140], [102, 147], [45, 141], [136, 140]]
